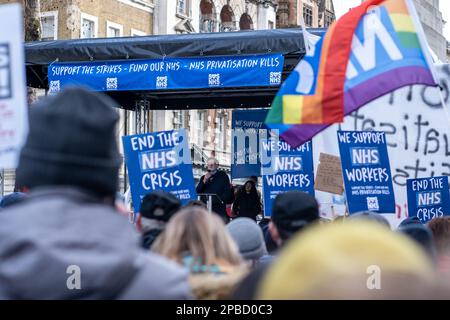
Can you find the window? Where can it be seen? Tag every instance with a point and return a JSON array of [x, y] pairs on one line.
[[200, 128], [207, 16], [137, 33], [308, 15], [271, 25], [246, 22], [220, 133], [329, 19], [207, 25], [49, 25], [227, 18], [113, 30], [89, 26], [183, 7], [178, 119]]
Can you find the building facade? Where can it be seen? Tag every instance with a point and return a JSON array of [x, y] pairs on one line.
[[75, 19], [209, 130], [448, 51], [433, 25], [193, 16], [316, 13]]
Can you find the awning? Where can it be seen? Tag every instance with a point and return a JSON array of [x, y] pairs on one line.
[[289, 42]]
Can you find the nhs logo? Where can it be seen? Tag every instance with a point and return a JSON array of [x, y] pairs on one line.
[[429, 198], [365, 156], [288, 163]]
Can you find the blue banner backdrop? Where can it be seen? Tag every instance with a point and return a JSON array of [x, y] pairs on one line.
[[169, 73]]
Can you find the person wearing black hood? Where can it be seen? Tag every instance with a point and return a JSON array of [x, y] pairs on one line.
[[67, 241], [248, 202], [156, 210]]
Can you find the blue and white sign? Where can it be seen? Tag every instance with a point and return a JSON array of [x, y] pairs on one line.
[[248, 129], [159, 161], [428, 198], [366, 171], [169, 73], [288, 169]]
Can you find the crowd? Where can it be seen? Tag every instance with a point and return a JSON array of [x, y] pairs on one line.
[[69, 219]]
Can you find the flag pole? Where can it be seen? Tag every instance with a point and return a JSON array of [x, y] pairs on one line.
[[305, 35]]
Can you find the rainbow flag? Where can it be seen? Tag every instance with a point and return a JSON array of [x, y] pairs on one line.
[[374, 49]]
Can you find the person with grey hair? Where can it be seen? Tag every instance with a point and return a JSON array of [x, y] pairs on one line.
[[216, 182]]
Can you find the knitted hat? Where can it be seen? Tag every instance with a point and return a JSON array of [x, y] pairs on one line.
[[72, 142], [249, 238]]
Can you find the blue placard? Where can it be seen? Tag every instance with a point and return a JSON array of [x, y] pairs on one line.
[[159, 161], [169, 73], [247, 128], [428, 198], [366, 171], [285, 169]]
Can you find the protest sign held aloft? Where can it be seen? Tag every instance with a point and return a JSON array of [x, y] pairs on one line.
[[288, 169], [329, 175], [428, 198], [248, 129], [366, 171], [159, 161]]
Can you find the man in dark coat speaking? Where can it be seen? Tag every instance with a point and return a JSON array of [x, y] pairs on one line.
[[216, 182]]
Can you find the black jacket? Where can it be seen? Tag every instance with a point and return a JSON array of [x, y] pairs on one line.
[[247, 206], [149, 237], [218, 184]]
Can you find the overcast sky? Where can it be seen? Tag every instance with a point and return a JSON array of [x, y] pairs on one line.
[[342, 6]]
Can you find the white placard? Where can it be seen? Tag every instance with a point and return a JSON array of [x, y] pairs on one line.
[[13, 102], [417, 132]]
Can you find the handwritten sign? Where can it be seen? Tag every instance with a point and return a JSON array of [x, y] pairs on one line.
[[329, 175], [417, 134]]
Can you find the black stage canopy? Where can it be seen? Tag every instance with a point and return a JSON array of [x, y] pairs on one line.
[[289, 42]]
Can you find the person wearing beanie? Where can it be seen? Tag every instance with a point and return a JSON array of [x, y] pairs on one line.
[[249, 238], [355, 260], [67, 241], [156, 210], [291, 212], [371, 216]]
